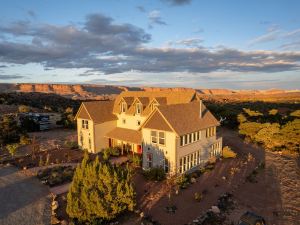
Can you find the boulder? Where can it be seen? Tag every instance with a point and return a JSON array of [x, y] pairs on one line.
[[215, 209]]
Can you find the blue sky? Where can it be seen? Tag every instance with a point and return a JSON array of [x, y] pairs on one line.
[[187, 43]]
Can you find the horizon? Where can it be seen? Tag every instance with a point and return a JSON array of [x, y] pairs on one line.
[[145, 43]]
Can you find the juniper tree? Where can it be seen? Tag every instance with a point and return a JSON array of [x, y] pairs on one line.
[[99, 191]]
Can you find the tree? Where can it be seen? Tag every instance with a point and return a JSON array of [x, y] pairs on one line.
[[295, 113], [99, 191], [273, 112], [241, 118], [290, 135], [12, 149], [9, 130], [266, 135], [252, 113], [250, 129]]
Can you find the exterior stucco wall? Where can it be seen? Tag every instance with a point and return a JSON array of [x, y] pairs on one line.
[[100, 131], [131, 121], [85, 135], [95, 134], [159, 152]]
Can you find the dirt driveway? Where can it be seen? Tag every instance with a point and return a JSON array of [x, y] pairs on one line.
[[23, 199]]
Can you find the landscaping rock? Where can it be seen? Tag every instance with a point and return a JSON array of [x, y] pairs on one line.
[[215, 209], [193, 180], [54, 205]]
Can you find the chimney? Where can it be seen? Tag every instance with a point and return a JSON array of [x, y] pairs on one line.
[[200, 111]]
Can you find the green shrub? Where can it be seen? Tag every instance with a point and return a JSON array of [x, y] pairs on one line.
[[156, 173], [106, 154], [12, 148], [135, 159], [228, 153], [71, 144], [114, 151], [183, 181], [24, 140]]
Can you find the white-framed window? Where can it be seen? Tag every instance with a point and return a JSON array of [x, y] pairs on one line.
[[90, 143], [138, 108], [154, 137], [123, 107], [161, 138], [123, 121], [138, 122], [85, 124], [150, 160], [181, 140], [81, 138]]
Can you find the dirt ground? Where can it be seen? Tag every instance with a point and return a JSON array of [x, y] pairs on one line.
[[274, 195]]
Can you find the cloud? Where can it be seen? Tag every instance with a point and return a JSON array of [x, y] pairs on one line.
[[177, 2], [155, 18], [10, 77], [271, 35], [105, 47], [188, 42]]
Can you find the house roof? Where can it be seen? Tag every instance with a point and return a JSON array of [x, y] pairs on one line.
[[185, 118], [157, 122], [163, 97], [98, 111], [132, 136]]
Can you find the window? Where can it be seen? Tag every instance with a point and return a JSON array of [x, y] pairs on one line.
[[81, 138], [85, 124], [138, 122], [180, 166], [161, 140], [181, 140], [124, 121], [149, 159], [190, 138], [138, 108], [167, 166], [154, 137], [194, 136], [123, 107]]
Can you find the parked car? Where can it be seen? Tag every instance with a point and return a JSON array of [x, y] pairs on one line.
[[250, 218]]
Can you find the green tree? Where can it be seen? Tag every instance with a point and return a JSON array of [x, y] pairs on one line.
[[99, 191], [267, 135], [290, 135], [12, 149], [252, 113], [241, 118], [9, 130], [250, 129]]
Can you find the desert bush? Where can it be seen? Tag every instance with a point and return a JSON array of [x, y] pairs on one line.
[[12, 148], [25, 140], [71, 144], [136, 160], [56, 175], [228, 152], [198, 196], [106, 154], [183, 181], [156, 173]]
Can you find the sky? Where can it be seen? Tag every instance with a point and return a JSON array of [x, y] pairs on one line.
[[232, 44]]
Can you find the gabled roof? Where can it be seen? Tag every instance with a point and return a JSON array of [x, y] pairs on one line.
[[183, 118], [98, 111], [132, 136], [128, 100], [157, 122], [163, 97]]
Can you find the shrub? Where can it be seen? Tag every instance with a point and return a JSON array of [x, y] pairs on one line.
[[24, 140], [228, 153], [71, 144], [12, 148], [183, 181], [114, 151], [198, 196], [106, 154], [136, 160], [156, 173]]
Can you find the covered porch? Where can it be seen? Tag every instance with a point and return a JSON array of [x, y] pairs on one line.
[[129, 141]]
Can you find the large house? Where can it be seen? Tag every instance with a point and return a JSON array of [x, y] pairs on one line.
[[171, 129]]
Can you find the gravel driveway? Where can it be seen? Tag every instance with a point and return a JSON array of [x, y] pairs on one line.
[[24, 201]]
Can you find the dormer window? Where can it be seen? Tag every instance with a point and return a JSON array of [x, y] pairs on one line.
[[138, 108], [123, 107]]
